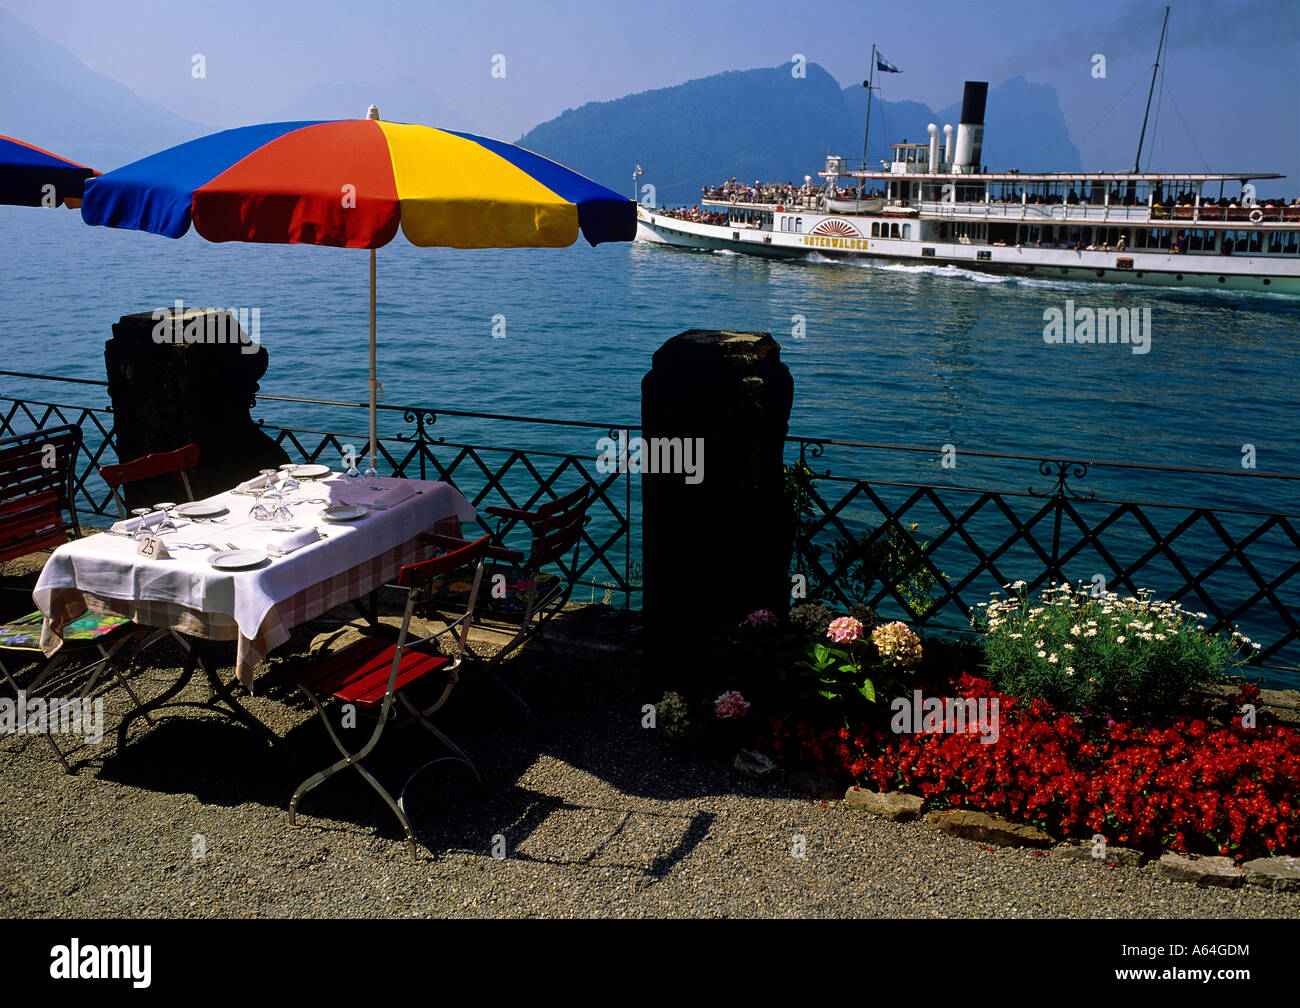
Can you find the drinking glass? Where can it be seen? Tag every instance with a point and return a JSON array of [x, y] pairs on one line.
[[372, 473], [269, 490], [262, 510], [288, 483], [140, 530], [167, 524]]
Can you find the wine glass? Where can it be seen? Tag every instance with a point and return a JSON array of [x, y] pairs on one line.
[[352, 472], [167, 524], [262, 510], [371, 472], [140, 530], [288, 483], [269, 489]]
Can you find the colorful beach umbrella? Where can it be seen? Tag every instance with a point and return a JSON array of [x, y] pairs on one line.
[[32, 176], [352, 183]]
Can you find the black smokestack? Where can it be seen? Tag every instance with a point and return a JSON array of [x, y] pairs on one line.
[[973, 99]]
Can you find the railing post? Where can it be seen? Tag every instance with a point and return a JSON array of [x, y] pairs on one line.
[[717, 540], [188, 379]]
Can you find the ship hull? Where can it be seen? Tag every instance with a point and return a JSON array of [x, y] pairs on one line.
[[1152, 269]]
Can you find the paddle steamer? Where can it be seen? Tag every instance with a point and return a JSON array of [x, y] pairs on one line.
[[935, 204]]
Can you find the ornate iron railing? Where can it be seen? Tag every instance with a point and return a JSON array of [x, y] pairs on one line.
[[517, 476], [926, 541], [916, 538]]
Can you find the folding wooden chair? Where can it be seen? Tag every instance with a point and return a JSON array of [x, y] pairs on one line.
[[182, 460], [34, 494], [521, 597], [90, 635], [374, 673]]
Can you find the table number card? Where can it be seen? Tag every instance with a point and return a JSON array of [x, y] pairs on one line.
[[153, 548]]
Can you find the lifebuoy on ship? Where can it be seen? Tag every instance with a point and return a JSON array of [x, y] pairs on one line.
[[1256, 216]]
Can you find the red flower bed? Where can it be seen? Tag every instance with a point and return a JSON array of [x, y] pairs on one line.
[[1187, 786]]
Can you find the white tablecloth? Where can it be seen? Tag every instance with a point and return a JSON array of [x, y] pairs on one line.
[[108, 566]]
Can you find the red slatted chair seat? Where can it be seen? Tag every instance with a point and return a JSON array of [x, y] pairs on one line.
[[359, 672]]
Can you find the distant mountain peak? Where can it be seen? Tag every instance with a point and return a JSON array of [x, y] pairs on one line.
[[767, 123]]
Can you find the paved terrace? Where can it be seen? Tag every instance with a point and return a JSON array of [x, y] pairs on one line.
[[598, 817]]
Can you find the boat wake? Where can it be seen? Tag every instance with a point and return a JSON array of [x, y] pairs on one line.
[[919, 269]]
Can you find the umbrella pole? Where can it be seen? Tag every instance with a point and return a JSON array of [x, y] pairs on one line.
[[373, 383]]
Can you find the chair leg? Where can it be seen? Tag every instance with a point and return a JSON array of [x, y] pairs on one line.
[[459, 756], [349, 759]]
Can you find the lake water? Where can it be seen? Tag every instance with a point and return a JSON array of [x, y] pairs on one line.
[[916, 355]]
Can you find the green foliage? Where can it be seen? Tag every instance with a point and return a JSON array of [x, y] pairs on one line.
[[890, 559], [1103, 653], [854, 670]]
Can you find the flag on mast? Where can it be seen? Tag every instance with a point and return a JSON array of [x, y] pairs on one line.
[[884, 66]]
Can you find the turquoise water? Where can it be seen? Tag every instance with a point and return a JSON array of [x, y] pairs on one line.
[[917, 355]]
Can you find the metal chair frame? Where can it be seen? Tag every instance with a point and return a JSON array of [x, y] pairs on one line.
[[556, 526], [415, 578]]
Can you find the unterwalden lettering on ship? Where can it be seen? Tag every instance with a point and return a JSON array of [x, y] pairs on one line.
[[683, 456], [234, 325]]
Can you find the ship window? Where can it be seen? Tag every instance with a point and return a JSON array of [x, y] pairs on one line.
[[893, 230], [875, 229], [798, 224], [1275, 243], [1292, 242], [907, 230], [1254, 241]]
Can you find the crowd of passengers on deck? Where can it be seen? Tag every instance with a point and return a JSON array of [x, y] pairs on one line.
[[1183, 200]]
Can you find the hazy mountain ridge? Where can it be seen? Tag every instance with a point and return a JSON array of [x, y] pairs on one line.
[[771, 125], [762, 123], [50, 98]]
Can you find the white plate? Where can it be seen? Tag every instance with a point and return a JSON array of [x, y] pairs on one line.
[[313, 471], [344, 512], [237, 559], [201, 509]]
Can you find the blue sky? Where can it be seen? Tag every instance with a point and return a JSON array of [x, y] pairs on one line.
[[1230, 65]]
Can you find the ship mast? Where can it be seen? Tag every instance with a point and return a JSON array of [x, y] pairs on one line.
[[1155, 70], [871, 76]]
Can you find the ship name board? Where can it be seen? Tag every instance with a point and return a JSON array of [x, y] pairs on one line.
[[848, 244]]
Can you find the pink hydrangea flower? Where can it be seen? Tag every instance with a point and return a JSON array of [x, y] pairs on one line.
[[760, 616], [730, 705], [844, 630]]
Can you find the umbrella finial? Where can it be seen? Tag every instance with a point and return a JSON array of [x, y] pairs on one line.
[[372, 112]]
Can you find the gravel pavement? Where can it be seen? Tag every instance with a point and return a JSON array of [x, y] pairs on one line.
[[594, 817]]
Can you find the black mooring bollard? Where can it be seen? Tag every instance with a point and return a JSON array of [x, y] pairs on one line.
[[718, 526]]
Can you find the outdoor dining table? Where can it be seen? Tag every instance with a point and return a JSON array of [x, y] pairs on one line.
[[257, 607]]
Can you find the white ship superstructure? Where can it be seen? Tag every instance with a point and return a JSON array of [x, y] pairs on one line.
[[936, 203]]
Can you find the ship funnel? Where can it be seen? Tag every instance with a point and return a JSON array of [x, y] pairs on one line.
[[948, 143], [970, 131], [933, 130]]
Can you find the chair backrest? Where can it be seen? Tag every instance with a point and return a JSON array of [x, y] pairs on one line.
[[558, 527], [30, 524], [416, 577], [182, 460], [36, 479]]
